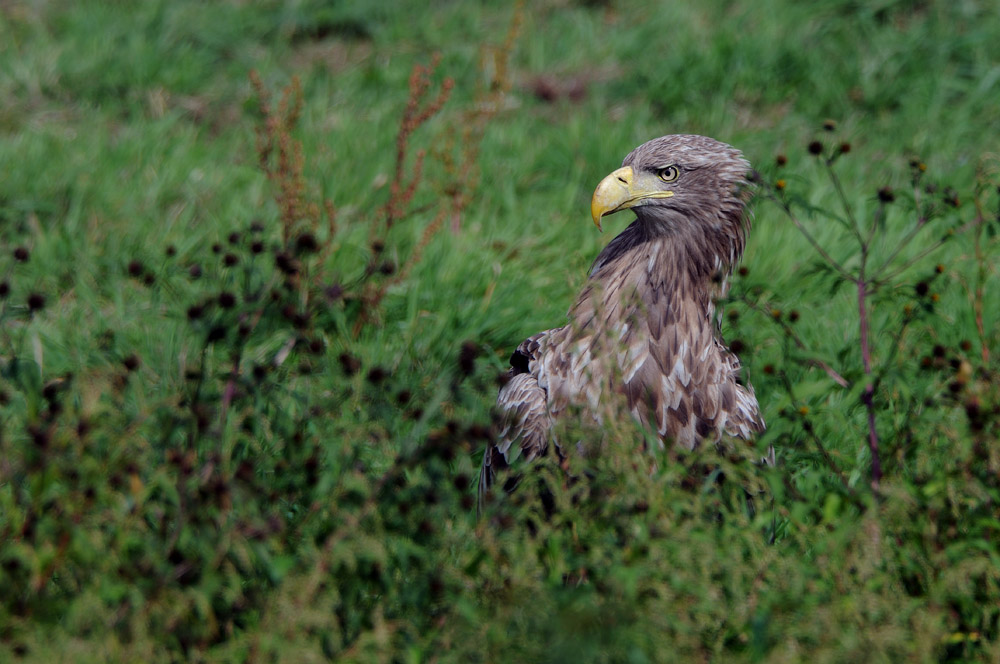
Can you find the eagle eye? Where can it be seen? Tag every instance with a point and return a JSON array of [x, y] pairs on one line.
[[669, 174]]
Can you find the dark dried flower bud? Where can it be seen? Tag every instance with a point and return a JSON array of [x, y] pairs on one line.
[[306, 243], [36, 302], [387, 268], [217, 333], [815, 147], [737, 346], [170, 251], [939, 268], [229, 260], [845, 147], [733, 315], [286, 263], [149, 279], [972, 407], [135, 268], [921, 288], [256, 226], [886, 195], [234, 238], [334, 292], [227, 300], [378, 246], [966, 345], [793, 315], [829, 125], [216, 248], [350, 364], [467, 357], [939, 350], [256, 247], [4, 289], [131, 362], [781, 160], [376, 375], [195, 311], [195, 271], [743, 271], [769, 369], [21, 254]]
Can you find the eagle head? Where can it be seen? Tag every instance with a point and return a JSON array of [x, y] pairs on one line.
[[693, 188]]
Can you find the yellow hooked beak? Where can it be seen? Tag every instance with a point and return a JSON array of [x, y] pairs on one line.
[[622, 189]]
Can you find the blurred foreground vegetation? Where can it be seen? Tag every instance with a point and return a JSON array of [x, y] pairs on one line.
[[263, 263]]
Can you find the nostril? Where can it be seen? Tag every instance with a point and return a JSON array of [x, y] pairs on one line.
[[622, 180]]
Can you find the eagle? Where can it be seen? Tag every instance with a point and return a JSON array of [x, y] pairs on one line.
[[643, 334]]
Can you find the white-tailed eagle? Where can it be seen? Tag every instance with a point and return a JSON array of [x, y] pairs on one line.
[[644, 333]]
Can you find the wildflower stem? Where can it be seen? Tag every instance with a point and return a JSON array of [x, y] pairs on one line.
[[866, 357]]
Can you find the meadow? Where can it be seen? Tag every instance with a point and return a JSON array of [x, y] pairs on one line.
[[262, 266]]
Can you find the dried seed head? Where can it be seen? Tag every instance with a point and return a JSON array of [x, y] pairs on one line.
[[829, 125], [350, 364], [467, 357], [21, 254], [227, 300], [256, 247], [781, 160], [815, 147], [195, 271], [216, 248], [743, 271], [131, 362], [886, 195], [334, 292], [170, 251], [845, 147], [135, 268], [195, 311], [36, 302], [229, 260], [4, 289], [306, 243], [921, 288], [737, 346], [234, 238]]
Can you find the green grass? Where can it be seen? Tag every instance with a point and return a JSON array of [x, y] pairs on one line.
[[156, 505]]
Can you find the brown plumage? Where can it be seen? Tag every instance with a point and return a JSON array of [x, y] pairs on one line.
[[643, 333]]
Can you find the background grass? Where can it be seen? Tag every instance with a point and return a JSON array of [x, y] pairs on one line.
[[170, 490]]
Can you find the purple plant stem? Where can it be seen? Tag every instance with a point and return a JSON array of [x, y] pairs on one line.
[[868, 398]]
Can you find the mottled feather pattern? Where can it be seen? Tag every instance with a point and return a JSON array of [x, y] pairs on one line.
[[644, 330]]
